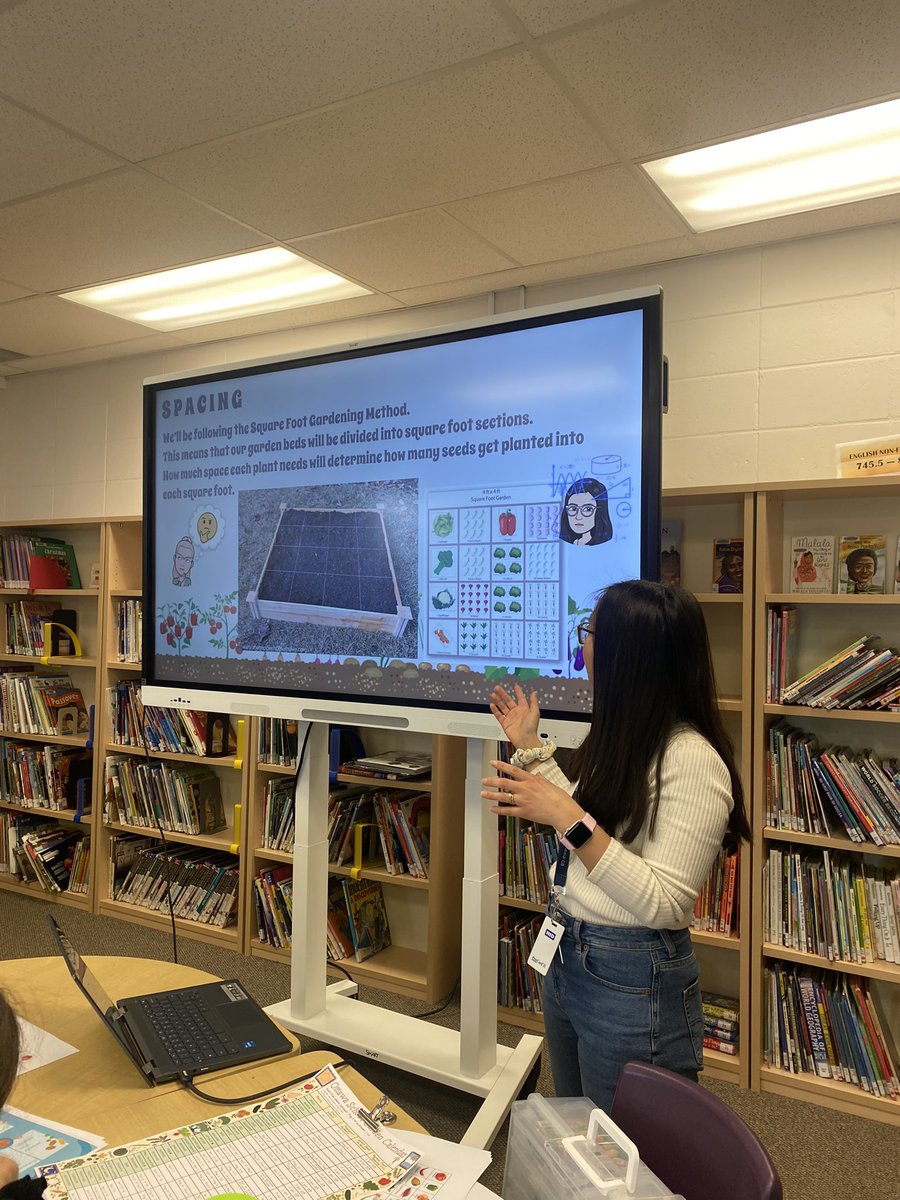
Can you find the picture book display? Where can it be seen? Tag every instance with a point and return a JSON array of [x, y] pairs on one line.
[[368, 919], [812, 564], [862, 560], [728, 566]]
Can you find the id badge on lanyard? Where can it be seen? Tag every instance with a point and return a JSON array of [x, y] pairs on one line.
[[550, 933]]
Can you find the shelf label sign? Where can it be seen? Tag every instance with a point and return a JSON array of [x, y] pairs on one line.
[[877, 456]]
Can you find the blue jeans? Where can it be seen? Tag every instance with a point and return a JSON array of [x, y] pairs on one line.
[[615, 994]]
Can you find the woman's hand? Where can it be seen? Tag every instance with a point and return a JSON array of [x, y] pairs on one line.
[[530, 796], [519, 717]]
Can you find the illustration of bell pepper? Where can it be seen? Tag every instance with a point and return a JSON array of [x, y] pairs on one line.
[[507, 522]]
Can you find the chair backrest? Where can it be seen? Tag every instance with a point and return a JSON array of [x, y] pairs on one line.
[[691, 1139]]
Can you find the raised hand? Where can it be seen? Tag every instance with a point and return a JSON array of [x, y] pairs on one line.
[[519, 716]]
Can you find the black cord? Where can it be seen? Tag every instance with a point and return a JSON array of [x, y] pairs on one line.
[[187, 1081], [166, 855], [446, 1004]]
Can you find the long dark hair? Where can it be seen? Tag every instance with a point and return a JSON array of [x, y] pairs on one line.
[[603, 529], [9, 1048], [652, 670]]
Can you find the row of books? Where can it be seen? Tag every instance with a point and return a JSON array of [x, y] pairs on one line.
[[827, 1025], [49, 705], [526, 853], [278, 815], [862, 675], [815, 790], [277, 742], [55, 777], [394, 822], [721, 1023], [17, 550], [716, 909], [862, 563], [518, 985], [203, 886], [832, 906], [25, 621], [57, 857], [129, 618], [357, 925], [182, 799], [166, 730]]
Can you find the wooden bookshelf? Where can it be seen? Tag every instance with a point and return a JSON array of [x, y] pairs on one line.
[[825, 623]]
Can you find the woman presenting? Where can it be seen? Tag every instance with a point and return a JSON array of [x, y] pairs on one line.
[[657, 793]]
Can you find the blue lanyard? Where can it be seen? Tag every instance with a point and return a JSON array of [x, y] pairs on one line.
[[561, 872]]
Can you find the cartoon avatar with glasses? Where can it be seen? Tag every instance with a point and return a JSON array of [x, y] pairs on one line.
[[584, 517]]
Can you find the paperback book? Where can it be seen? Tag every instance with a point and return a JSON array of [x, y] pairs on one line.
[[670, 552], [367, 914], [862, 564], [812, 564], [728, 566]]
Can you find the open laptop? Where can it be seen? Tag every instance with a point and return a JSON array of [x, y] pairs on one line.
[[189, 1030]]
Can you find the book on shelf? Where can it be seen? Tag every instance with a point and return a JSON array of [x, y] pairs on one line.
[[896, 565], [781, 650], [59, 552], [203, 886], [526, 853], [393, 764], [22, 557], [278, 815], [67, 710], [716, 907], [367, 916], [862, 563], [728, 565], [51, 850], [129, 625], [339, 940], [827, 1025], [518, 984], [273, 905], [25, 621], [278, 742], [182, 799], [812, 564], [670, 552], [725, 1008]]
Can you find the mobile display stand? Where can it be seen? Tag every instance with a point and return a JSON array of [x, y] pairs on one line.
[[470, 1060]]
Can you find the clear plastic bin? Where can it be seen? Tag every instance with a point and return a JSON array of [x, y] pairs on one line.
[[566, 1149]]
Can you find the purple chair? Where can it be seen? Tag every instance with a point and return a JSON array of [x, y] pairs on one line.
[[690, 1139]]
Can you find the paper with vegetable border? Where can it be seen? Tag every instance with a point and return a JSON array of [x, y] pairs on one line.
[[31, 1142], [309, 1142]]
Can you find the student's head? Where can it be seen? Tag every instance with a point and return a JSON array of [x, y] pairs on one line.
[[648, 658], [862, 564], [9, 1048], [585, 510]]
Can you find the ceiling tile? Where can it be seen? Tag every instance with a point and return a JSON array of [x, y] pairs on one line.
[[408, 251], [9, 291], [124, 223], [48, 325], [497, 124], [600, 210], [291, 318], [176, 74], [37, 156], [540, 16], [687, 71]]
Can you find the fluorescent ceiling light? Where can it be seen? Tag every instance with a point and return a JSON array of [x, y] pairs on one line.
[[817, 164], [243, 285]]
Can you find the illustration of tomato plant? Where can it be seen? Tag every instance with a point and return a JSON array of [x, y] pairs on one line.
[[221, 628], [178, 624]]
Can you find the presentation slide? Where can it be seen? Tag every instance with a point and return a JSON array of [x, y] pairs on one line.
[[378, 522]]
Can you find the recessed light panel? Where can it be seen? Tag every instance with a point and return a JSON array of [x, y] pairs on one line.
[[242, 285], [817, 164]]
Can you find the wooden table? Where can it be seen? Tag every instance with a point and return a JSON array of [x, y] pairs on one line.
[[99, 1089]]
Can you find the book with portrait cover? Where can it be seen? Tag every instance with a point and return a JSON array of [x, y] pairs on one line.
[[368, 917], [862, 564], [728, 565], [812, 564], [670, 552]]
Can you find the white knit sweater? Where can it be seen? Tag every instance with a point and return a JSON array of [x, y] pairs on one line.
[[654, 880]]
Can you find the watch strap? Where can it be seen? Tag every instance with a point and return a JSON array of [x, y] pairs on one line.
[[579, 833]]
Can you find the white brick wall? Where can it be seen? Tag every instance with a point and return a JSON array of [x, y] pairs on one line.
[[775, 355]]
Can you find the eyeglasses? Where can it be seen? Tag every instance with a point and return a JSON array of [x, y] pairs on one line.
[[583, 631], [586, 510]]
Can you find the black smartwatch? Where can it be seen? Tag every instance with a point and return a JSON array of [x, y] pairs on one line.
[[579, 833]]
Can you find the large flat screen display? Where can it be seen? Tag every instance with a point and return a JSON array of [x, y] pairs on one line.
[[386, 529]]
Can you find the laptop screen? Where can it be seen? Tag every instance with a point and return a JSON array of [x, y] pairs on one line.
[[82, 975]]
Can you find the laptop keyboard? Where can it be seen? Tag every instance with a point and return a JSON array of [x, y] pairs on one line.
[[182, 1024]]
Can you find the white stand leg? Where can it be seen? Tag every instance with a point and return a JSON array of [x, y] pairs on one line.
[[470, 1060]]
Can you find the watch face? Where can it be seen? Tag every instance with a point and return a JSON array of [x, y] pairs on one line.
[[578, 835]]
